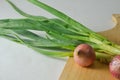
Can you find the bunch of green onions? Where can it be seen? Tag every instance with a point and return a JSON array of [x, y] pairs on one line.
[[61, 35]]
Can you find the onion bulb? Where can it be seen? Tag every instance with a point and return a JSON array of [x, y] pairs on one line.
[[84, 55], [114, 66]]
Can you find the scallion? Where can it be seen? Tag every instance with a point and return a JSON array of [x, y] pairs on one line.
[[62, 34]]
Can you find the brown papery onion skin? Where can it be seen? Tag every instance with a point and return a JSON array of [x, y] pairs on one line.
[[84, 55]]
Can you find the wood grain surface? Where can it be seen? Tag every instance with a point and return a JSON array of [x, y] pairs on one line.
[[97, 71]]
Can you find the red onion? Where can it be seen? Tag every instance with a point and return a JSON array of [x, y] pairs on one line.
[[84, 55], [114, 66]]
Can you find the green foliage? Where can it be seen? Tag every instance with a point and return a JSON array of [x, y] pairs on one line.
[[61, 35]]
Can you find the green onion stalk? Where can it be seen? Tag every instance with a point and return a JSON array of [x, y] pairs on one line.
[[61, 34]]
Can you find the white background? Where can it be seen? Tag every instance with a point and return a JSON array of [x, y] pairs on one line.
[[18, 62]]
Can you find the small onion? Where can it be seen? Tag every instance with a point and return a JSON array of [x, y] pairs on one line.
[[114, 66], [84, 55]]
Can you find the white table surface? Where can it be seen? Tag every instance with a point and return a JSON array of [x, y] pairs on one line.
[[18, 62]]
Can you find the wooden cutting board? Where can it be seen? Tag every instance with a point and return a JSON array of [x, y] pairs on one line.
[[97, 71]]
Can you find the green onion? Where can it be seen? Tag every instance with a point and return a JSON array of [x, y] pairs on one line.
[[61, 34]]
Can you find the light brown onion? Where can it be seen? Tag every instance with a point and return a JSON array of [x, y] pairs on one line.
[[84, 55]]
